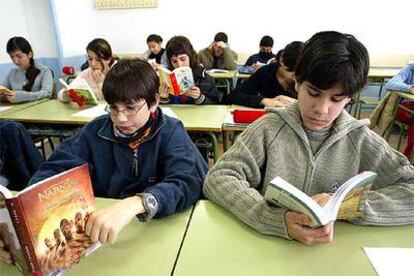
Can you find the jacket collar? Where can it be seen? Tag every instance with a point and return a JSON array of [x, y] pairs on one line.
[[106, 130], [344, 124]]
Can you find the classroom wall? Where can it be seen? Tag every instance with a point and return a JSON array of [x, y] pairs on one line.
[[382, 26]]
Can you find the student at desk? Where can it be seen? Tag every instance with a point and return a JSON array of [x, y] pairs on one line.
[[271, 85], [135, 153], [155, 54], [315, 145], [404, 82], [265, 53], [180, 52], [30, 81], [100, 60], [218, 54]]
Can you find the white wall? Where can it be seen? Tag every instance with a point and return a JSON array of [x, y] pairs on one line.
[[382, 26], [30, 19]]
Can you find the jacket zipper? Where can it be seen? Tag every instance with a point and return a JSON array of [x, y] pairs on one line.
[[135, 162]]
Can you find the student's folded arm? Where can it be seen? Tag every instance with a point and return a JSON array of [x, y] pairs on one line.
[[235, 180], [247, 93], [390, 201], [209, 89], [45, 91], [184, 170], [69, 154], [229, 62], [398, 82]]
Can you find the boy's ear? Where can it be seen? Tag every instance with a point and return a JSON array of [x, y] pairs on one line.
[[296, 85], [154, 106]]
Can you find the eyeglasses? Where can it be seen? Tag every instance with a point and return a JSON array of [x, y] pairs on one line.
[[128, 111]]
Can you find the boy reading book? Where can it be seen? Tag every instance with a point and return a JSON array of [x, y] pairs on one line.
[[202, 90], [315, 145], [135, 153]]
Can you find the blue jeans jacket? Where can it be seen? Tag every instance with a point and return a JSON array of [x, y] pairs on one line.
[[169, 165]]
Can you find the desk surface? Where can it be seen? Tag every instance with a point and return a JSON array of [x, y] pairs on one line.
[[17, 107], [141, 249], [219, 244], [194, 117], [383, 72]]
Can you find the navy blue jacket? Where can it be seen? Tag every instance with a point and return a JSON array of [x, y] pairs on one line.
[[169, 165]]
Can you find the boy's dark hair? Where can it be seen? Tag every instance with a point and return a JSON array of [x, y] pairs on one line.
[[20, 43], [101, 48], [221, 37], [266, 41], [290, 55], [129, 81], [331, 58], [154, 38], [178, 45]]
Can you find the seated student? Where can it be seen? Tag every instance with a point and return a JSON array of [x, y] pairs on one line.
[[30, 81], [180, 52], [404, 82], [155, 51], [100, 60], [315, 144], [135, 153], [265, 54], [19, 157], [266, 86], [218, 54]]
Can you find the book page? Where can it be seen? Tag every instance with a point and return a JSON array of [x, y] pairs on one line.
[[184, 77], [168, 111], [4, 108], [5, 91], [284, 194], [92, 112], [391, 261], [352, 190]]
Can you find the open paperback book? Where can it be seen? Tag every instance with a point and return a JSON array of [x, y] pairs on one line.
[[342, 203], [80, 92], [179, 80], [5, 91], [43, 226]]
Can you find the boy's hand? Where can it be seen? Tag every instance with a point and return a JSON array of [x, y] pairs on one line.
[[104, 225], [298, 228], [164, 91]]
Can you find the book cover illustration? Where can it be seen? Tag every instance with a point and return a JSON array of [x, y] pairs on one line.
[[179, 80], [80, 92], [55, 212]]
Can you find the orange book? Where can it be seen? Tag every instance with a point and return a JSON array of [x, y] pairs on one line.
[[43, 226], [179, 80]]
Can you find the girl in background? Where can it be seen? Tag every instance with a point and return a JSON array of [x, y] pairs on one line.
[[100, 60], [30, 81], [155, 54]]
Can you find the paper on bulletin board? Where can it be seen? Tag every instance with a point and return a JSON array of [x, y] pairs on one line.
[[391, 261]]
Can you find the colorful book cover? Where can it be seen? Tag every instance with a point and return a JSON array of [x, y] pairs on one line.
[[179, 80], [49, 219], [80, 92]]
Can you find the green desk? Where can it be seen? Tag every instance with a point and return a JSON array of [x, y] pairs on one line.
[[217, 243], [141, 249], [17, 107], [224, 79]]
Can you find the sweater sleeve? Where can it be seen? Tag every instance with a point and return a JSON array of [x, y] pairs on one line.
[[391, 198], [400, 82], [247, 92], [234, 180], [45, 91], [206, 58], [228, 60], [209, 90], [184, 171]]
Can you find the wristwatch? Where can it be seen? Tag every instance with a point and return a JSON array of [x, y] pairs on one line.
[[150, 205]]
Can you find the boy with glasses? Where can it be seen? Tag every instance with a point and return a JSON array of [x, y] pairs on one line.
[[135, 153]]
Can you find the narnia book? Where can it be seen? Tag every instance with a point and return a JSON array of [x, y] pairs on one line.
[[80, 92], [343, 203], [179, 80], [43, 226]]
